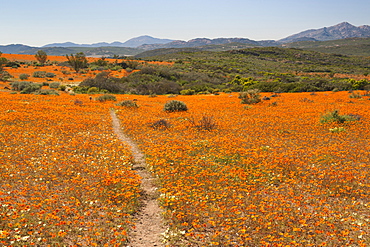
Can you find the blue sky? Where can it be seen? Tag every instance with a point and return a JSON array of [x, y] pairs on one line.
[[40, 22]]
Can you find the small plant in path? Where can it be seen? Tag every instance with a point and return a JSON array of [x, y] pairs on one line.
[[128, 104]]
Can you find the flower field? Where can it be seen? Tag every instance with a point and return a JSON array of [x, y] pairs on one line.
[[65, 179], [265, 175], [269, 174], [63, 73]]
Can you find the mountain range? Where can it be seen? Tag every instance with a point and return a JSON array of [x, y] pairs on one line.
[[134, 42], [144, 43]]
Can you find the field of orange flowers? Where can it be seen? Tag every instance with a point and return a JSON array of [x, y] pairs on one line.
[[266, 175], [65, 179], [269, 174], [63, 74]]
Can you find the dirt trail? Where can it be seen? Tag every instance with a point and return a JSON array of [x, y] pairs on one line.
[[149, 222]]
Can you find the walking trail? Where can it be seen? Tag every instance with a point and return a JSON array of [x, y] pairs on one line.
[[149, 222]]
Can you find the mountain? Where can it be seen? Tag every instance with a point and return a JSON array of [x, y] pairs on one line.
[[340, 31], [14, 48], [138, 41], [134, 42], [200, 42]]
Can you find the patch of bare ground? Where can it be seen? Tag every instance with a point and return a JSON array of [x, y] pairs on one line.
[[149, 222]]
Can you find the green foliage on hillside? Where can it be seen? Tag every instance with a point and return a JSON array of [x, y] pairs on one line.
[[268, 69], [350, 46]]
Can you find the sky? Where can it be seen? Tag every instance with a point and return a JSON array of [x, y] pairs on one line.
[[41, 22]]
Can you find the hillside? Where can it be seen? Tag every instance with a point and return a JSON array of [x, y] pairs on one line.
[[340, 31], [349, 46], [132, 43], [269, 69], [108, 51]]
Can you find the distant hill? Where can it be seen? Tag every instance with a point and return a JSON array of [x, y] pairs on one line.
[[134, 42], [202, 42], [109, 51], [14, 48], [142, 40], [340, 31]]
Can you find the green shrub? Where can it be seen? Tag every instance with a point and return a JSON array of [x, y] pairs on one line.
[[78, 89], [187, 92], [106, 97], [19, 85], [128, 104], [355, 95], [24, 76], [251, 96], [175, 105], [46, 92], [25, 87], [160, 124], [335, 117], [54, 85], [116, 68], [62, 87], [337, 130], [39, 74], [50, 75], [32, 87], [93, 90]]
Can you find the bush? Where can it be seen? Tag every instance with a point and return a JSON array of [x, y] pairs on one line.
[[104, 81], [19, 85], [39, 74], [175, 105], [187, 92], [106, 97], [46, 92], [63, 88], [24, 76], [128, 104], [54, 85], [50, 75], [160, 124], [252, 96], [205, 123], [335, 117], [32, 87], [93, 90], [25, 87], [355, 95]]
